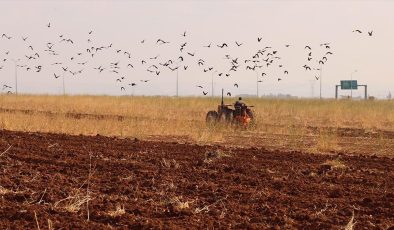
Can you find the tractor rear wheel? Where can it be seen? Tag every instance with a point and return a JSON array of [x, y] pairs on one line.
[[212, 117]]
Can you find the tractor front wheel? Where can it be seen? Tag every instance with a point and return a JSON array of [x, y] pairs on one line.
[[212, 117]]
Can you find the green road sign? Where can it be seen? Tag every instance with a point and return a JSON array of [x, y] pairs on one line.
[[349, 84]]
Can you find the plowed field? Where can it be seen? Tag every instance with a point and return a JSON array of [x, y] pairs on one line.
[[70, 182]]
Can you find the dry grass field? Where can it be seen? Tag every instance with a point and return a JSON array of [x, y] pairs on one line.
[[305, 125]]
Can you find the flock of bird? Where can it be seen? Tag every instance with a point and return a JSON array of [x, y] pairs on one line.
[[260, 61]]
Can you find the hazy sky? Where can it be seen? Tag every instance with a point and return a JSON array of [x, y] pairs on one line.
[[126, 23]]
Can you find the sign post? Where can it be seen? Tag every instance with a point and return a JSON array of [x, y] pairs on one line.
[[350, 85]]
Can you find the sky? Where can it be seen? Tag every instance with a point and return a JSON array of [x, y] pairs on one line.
[[125, 24]]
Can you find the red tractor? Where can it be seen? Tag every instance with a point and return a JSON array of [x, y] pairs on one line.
[[240, 114]]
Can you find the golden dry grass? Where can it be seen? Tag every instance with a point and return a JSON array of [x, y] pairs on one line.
[[288, 122], [336, 164], [119, 211]]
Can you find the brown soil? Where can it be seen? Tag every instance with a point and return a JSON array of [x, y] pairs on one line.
[[172, 185]]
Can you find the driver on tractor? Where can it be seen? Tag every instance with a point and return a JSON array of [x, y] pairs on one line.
[[239, 106], [240, 113], [239, 103]]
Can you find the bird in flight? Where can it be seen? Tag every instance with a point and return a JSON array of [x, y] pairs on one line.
[[199, 86], [229, 94], [30, 57], [5, 35], [183, 46], [236, 85], [173, 69], [127, 53], [306, 67], [208, 46], [184, 34], [259, 39], [205, 93], [50, 45], [38, 68], [238, 44], [358, 31], [370, 33], [223, 45], [161, 41], [49, 25], [154, 58], [317, 78], [308, 47], [6, 86]]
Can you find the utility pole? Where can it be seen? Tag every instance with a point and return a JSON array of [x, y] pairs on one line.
[[64, 86], [16, 79], [257, 84], [177, 83], [351, 83], [312, 82], [212, 88], [321, 78], [16, 75]]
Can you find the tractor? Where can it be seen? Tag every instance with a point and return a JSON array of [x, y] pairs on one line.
[[239, 115]]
